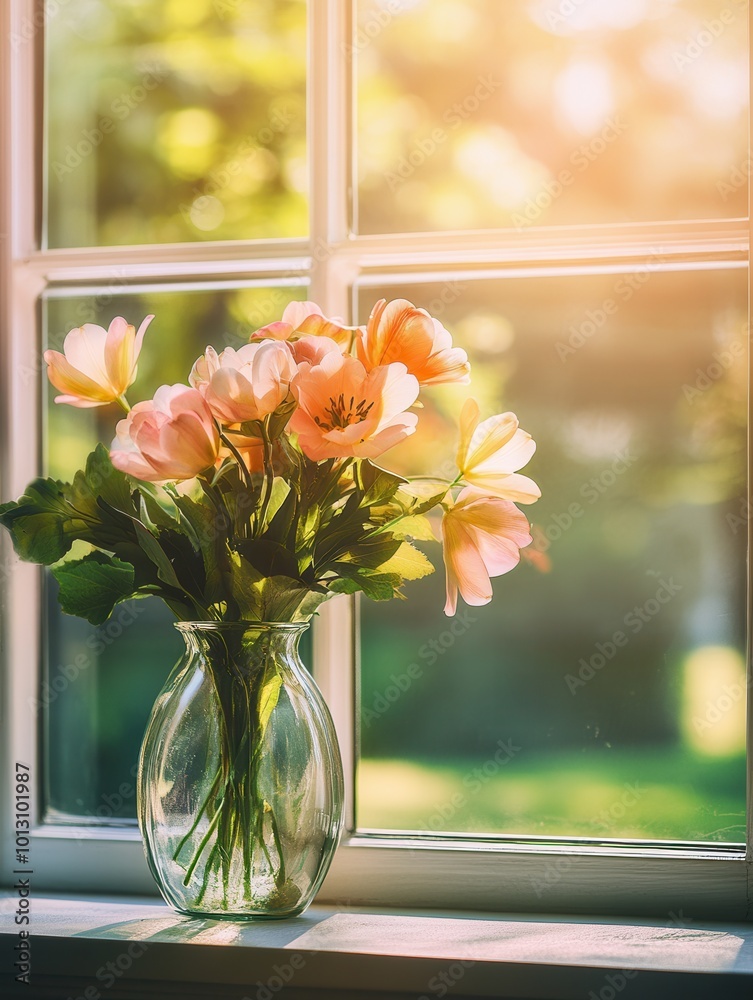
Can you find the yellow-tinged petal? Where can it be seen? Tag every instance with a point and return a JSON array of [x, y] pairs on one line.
[[489, 437], [469, 418]]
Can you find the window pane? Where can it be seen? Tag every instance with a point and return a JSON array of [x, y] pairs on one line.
[[175, 121], [475, 113], [101, 682], [606, 697]]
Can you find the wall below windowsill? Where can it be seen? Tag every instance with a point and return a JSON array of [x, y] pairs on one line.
[[346, 954]]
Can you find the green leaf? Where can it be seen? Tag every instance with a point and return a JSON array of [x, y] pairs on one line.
[[270, 694], [375, 485], [280, 490], [91, 587], [155, 552], [414, 526], [373, 552], [268, 557], [245, 580], [375, 586], [280, 525], [408, 563], [271, 598], [100, 479], [42, 523], [210, 526]]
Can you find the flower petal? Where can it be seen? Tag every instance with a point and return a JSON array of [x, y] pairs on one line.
[[514, 487]]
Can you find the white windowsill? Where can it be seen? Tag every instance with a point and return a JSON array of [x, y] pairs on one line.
[[346, 953]]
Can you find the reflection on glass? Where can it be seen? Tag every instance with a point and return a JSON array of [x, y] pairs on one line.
[[101, 682], [475, 113], [175, 121], [605, 697]]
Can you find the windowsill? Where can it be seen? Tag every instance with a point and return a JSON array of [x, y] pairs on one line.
[[340, 953]]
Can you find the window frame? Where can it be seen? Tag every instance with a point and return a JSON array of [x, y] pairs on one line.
[[510, 874]]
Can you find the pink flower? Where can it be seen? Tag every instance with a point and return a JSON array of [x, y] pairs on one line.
[[397, 331], [312, 349], [171, 437], [482, 538], [345, 411], [491, 452], [301, 319], [97, 365], [247, 384]]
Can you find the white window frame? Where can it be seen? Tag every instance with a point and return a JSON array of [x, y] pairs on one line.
[[501, 874]]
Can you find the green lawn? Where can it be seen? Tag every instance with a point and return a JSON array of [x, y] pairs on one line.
[[659, 793]]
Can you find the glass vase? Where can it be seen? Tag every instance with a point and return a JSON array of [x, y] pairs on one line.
[[240, 779]]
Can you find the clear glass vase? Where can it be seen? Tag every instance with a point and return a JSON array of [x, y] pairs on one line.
[[240, 779]]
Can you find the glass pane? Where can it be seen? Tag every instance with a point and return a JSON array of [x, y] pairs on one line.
[[177, 121], [605, 697], [474, 113], [101, 682]]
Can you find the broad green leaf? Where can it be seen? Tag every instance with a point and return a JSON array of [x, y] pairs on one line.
[[375, 586], [408, 563], [422, 496], [268, 699], [280, 490], [245, 587], [279, 527], [414, 526], [210, 526], [376, 485], [42, 523], [100, 479], [373, 552], [268, 557], [155, 552], [91, 587]]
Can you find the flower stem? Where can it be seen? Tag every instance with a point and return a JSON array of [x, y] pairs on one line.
[[269, 476]]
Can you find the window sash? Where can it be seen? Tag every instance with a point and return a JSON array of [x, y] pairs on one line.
[[503, 873]]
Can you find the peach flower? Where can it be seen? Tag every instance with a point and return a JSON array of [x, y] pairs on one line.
[[97, 365], [491, 452], [301, 319], [344, 411], [398, 331], [171, 437], [482, 538], [247, 384]]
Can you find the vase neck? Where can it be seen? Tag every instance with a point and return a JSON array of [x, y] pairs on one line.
[[243, 647]]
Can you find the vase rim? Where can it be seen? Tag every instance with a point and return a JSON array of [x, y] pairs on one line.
[[244, 626]]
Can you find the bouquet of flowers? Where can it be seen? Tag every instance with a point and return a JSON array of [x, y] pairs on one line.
[[253, 494]]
